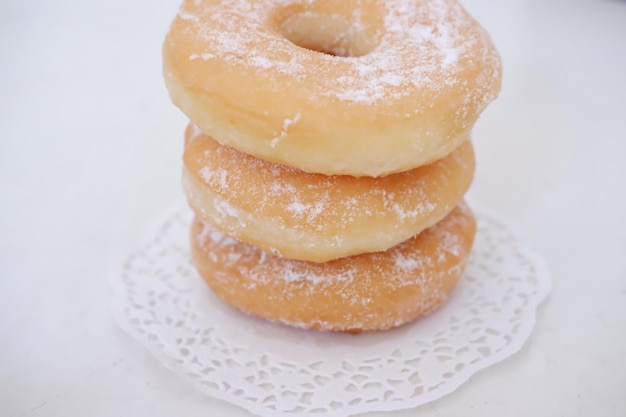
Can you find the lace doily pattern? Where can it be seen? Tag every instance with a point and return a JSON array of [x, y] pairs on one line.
[[271, 369]]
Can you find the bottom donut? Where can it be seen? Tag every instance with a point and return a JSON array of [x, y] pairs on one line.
[[372, 291]]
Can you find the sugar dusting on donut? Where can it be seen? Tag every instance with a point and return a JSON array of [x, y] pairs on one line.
[[342, 270], [315, 200], [316, 217], [421, 47], [351, 87], [419, 264], [283, 132]]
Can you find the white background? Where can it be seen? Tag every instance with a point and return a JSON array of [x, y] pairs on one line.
[[90, 152]]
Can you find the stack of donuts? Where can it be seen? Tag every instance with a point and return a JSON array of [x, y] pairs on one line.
[[328, 153]]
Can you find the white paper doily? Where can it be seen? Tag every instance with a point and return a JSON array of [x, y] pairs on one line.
[[271, 369]]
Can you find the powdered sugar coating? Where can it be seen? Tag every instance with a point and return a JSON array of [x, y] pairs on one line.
[[375, 290], [313, 216], [424, 45], [263, 77], [402, 258]]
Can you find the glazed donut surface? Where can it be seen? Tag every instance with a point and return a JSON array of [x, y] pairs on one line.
[[373, 87], [314, 217], [359, 293]]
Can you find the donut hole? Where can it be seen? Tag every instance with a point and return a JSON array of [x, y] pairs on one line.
[[329, 32]]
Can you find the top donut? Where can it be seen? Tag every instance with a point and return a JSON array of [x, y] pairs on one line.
[[357, 87]]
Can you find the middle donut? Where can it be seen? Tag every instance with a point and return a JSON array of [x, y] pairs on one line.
[[314, 217]]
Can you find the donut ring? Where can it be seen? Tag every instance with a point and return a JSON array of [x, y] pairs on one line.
[[366, 292], [401, 84], [314, 217]]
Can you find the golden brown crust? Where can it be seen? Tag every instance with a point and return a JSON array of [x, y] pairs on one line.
[[421, 74], [360, 293], [314, 217]]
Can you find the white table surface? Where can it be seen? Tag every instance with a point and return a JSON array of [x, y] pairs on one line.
[[90, 156]]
